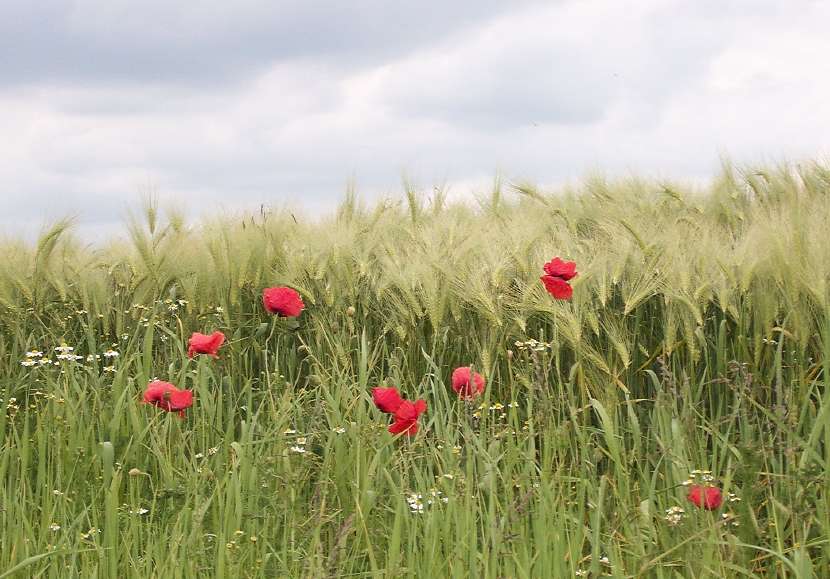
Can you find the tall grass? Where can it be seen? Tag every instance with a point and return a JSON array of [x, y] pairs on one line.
[[696, 340]]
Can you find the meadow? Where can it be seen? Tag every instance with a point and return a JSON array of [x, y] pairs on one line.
[[692, 352]]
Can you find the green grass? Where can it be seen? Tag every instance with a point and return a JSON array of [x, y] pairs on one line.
[[696, 339]]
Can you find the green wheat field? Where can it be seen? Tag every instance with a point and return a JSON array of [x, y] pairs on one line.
[[693, 351]]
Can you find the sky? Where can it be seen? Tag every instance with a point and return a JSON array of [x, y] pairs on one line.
[[220, 106]]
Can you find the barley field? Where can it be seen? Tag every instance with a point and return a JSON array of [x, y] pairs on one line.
[[690, 358]]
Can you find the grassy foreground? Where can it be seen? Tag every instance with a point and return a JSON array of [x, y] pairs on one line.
[[696, 340]]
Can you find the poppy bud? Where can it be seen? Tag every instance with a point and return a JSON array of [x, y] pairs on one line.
[[335, 327], [134, 472], [302, 350], [314, 380], [350, 311]]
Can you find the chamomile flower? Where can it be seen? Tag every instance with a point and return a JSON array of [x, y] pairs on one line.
[[674, 515], [415, 503]]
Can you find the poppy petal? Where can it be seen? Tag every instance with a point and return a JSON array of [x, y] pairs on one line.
[[387, 399], [167, 397], [406, 411], [202, 344], [709, 498], [179, 400], [557, 287], [461, 383], [405, 427], [155, 392], [558, 268], [283, 301]]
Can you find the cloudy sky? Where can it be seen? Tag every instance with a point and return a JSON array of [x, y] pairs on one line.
[[222, 105]]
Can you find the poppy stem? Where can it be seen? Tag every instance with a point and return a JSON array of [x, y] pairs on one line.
[[265, 351]]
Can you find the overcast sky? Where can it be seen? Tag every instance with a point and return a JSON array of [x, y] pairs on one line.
[[218, 104]]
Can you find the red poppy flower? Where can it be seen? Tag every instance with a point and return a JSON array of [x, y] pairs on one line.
[[406, 417], [462, 384], [283, 301], [387, 399], [168, 397], [556, 281], [202, 344], [710, 498]]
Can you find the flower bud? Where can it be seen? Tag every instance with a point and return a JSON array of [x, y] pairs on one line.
[[350, 311], [134, 472]]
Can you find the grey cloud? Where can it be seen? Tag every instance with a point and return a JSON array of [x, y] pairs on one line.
[[212, 42], [555, 64]]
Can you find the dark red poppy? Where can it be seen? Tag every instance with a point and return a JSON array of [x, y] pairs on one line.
[[202, 344], [168, 397], [710, 498], [283, 301], [406, 417], [462, 384], [387, 399], [558, 274]]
